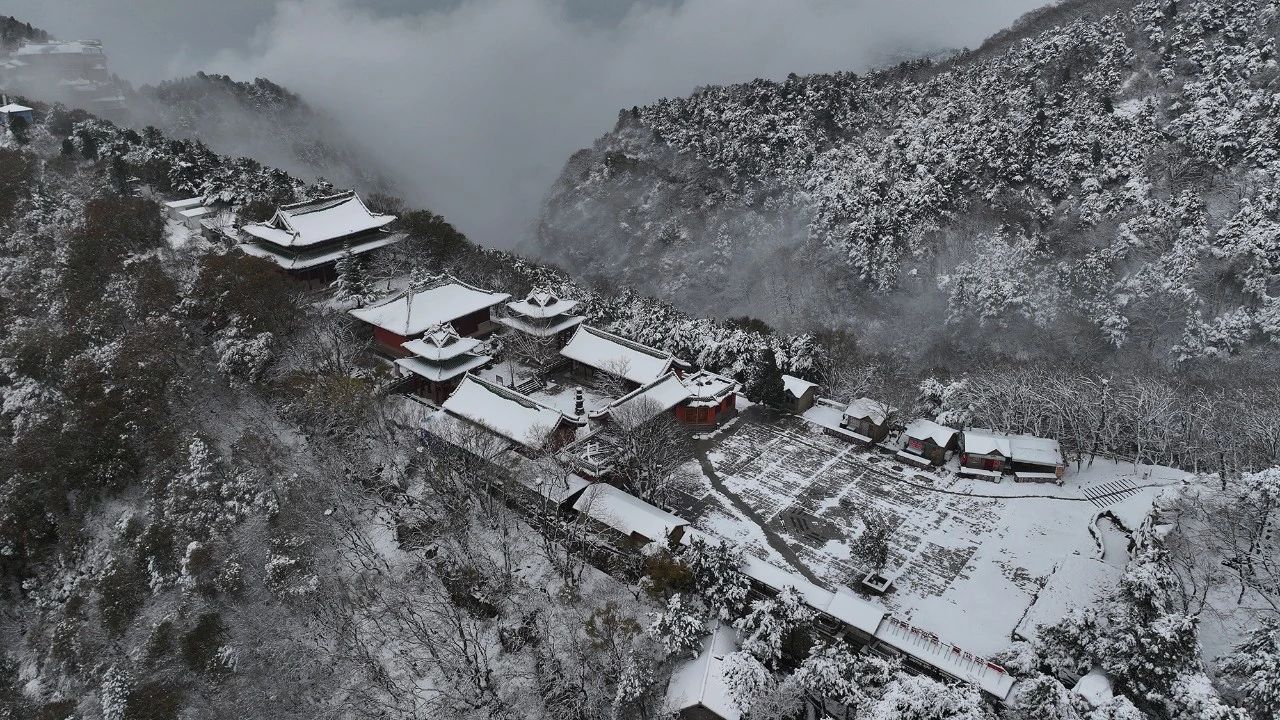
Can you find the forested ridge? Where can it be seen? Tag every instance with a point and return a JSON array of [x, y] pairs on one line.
[[1105, 171]]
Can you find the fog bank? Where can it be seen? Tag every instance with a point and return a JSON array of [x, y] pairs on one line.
[[476, 104]]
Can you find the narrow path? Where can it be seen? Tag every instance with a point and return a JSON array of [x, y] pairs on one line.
[[774, 540]]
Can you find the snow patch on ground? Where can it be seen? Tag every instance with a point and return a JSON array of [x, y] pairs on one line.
[[970, 556]]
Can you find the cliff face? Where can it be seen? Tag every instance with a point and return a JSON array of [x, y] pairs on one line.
[[1101, 169]]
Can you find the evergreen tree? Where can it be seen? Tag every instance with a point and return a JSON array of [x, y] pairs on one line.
[[774, 623], [717, 575], [353, 281], [764, 380], [680, 626], [1255, 665]]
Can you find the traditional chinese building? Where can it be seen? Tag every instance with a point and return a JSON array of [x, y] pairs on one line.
[[441, 301], [703, 398], [542, 314], [439, 360], [306, 239], [712, 399], [592, 350], [984, 453], [479, 406]]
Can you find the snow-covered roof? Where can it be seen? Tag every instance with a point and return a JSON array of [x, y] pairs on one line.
[[60, 47], [700, 682], [796, 387], [318, 221], [617, 355], [414, 311], [267, 251], [854, 611], [929, 430], [14, 108], [843, 604], [444, 370], [185, 203], [626, 513], [707, 388], [542, 304], [942, 655], [514, 416], [985, 442], [1035, 450], [441, 342], [554, 486], [646, 402], [560, 324], [865, 407], [775, 578]]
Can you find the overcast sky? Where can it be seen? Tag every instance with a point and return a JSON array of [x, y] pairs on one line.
[[477, 104]]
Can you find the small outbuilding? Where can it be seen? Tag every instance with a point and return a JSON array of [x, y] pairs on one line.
[[925, 442], [799, 395], [984, 453], [1036, 459], [867, 418], [13, 111], [697, 689]]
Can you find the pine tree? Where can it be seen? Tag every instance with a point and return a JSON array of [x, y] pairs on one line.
[[353, 281], [1255, 665], [764, 380], [718, 577], [680, 626], [771, 624]]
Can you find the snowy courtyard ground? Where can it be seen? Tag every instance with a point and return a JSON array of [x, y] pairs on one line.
[[970, 557]]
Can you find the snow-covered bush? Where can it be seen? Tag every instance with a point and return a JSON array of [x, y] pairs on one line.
[[242, 353]]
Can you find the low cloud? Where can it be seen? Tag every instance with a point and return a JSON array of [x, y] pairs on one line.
[[476, 104]]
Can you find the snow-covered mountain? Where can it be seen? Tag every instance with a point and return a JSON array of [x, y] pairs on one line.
[[1103, 171], [257, 119]]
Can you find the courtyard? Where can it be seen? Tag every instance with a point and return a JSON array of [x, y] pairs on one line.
[[968, 557]]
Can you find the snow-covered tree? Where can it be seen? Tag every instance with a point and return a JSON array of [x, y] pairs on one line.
[[915, 697], [680, 626], [1255, 668], [353, 283], [770, 624], [833, 672], [718, 577]]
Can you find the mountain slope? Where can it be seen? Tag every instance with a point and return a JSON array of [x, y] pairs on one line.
[[1103, 171], [258, 119]]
